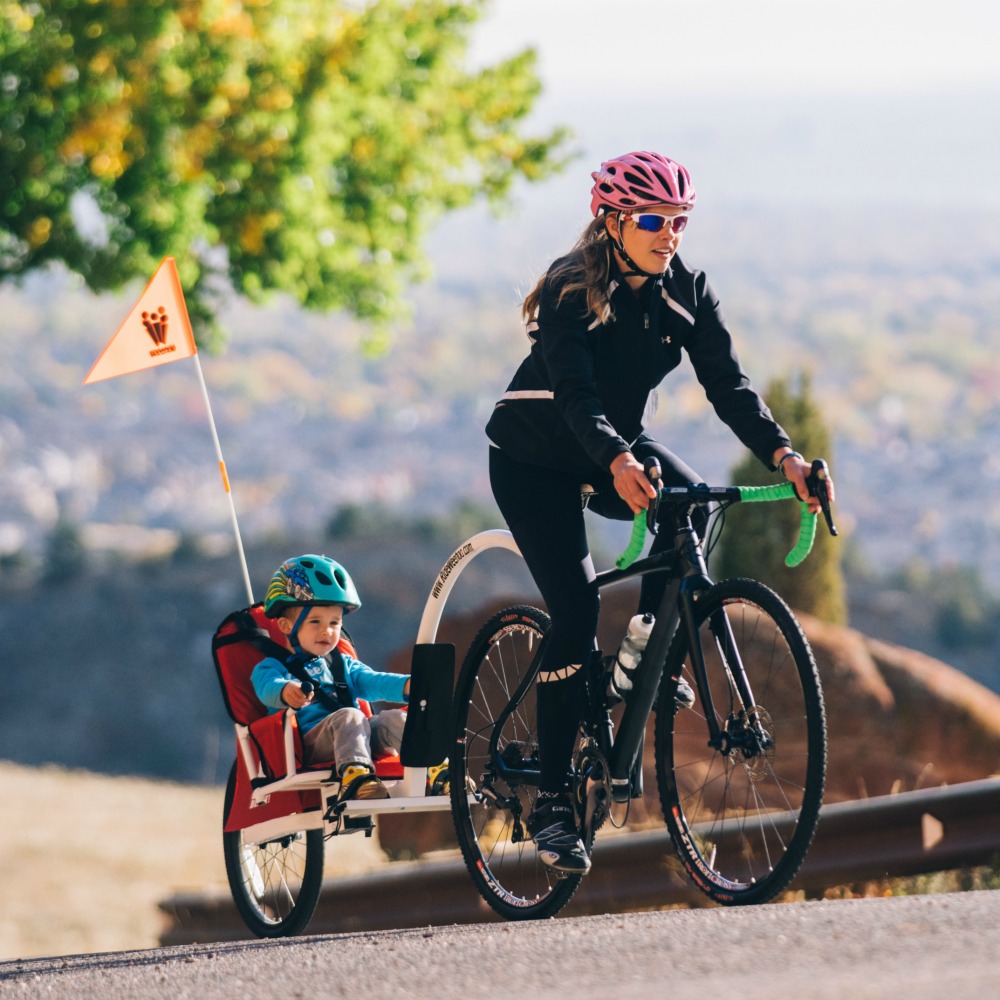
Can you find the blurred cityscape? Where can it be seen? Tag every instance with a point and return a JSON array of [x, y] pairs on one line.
[[901, 349]]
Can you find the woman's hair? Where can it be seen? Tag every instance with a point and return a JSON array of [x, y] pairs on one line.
[[586, 267]]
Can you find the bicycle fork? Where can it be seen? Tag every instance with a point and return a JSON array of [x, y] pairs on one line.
[[743, 729]]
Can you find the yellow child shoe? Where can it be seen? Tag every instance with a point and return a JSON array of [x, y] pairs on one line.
[[358, 781], [438, 779]]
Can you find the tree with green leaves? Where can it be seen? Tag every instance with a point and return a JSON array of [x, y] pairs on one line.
[[296, 146], [758, 536]]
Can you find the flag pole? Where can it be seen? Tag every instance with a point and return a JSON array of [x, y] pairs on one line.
[[161, 306], [225, 478]]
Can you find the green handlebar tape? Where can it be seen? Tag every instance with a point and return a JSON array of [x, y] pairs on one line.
[[807, 525], [748, 494], [780, 491], [636, 542], [807, 535]]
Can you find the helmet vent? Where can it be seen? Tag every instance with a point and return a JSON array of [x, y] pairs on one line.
[[324, 579], [636, 180], [662, 180]]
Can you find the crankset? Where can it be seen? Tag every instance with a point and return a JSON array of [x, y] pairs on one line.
[[592, 789]]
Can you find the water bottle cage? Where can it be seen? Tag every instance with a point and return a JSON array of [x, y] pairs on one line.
[[629, 672], [620, 686]]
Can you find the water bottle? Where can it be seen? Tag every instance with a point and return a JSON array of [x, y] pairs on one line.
[[629, 654]]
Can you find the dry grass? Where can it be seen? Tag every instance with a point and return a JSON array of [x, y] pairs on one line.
[[88, 858]]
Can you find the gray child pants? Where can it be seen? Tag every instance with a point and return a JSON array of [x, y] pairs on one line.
[[348, 736]]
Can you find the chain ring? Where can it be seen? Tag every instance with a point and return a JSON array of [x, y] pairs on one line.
[[592, 792]]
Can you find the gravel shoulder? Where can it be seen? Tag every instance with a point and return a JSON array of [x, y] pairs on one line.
[[88, 858]]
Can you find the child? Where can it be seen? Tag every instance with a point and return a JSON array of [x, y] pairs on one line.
[[309, 596]]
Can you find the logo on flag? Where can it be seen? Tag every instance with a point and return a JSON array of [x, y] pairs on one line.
[[156, 327], [159, 316]]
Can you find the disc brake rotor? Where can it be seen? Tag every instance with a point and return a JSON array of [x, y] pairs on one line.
[[756, 750]]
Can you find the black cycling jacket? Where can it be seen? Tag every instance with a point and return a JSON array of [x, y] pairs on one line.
[[580, 397]]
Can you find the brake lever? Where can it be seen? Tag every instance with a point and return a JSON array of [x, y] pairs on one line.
[[817, 483], [654, 474]]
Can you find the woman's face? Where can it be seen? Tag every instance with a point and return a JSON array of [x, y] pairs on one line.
[[651, 250]]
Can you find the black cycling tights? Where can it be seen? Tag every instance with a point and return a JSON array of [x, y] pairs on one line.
[[542, 508]]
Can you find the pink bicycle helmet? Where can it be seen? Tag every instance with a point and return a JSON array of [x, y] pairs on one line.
[[637, 180]]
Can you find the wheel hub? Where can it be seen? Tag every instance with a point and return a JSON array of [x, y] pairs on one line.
[[749, 739]]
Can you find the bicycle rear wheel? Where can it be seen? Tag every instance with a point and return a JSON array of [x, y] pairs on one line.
[[743, 814], [275, 883], [490, 811]]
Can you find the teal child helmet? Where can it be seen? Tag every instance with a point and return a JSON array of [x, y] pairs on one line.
[[310, 580]]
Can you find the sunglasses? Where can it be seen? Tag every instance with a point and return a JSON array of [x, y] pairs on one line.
[[653, 222]]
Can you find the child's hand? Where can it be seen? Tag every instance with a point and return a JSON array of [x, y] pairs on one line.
[[293, 695], [406, 688]]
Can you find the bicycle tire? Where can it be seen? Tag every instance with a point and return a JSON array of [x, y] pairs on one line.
[[276, 883], [742, 817], [488, 812]]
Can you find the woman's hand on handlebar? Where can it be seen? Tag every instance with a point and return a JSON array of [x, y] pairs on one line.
[[795, 469], [631, 482]]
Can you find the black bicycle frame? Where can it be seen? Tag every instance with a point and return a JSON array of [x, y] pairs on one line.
[[689, 577]]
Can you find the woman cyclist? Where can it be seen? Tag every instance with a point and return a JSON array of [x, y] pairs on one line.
[[606, 323]]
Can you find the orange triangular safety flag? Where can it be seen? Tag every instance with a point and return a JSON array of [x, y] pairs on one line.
[[156, 331]]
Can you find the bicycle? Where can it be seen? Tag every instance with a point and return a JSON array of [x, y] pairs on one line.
[[740, 774]]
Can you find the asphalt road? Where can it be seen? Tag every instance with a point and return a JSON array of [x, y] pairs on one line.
[[917, 947]]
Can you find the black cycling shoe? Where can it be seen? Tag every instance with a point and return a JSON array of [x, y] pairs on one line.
[[552, 825]]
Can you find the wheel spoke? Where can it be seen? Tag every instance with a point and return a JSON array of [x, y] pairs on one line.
[[752, 802], [275, 884], [500, 858]]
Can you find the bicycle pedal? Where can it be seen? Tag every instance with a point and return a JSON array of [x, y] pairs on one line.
[[621, 790], [357, 824], [559, 876], [335, 810]]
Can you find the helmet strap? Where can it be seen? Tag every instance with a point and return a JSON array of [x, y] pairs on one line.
[[293, 636], [619, 244], [634, 269]]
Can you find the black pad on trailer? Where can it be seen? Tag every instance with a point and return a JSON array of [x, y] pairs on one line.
[[428, 733]]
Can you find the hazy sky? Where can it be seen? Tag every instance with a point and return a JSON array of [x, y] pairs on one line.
[[768, 47], [858, 100]]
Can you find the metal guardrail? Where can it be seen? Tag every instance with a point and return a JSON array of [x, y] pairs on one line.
[[912, 833]]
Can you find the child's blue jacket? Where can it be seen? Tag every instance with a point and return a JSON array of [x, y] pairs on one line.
[[270, 676]]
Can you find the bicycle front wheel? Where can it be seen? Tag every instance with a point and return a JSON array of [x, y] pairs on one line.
[[275, 883], [489, 809], [742, 809]]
